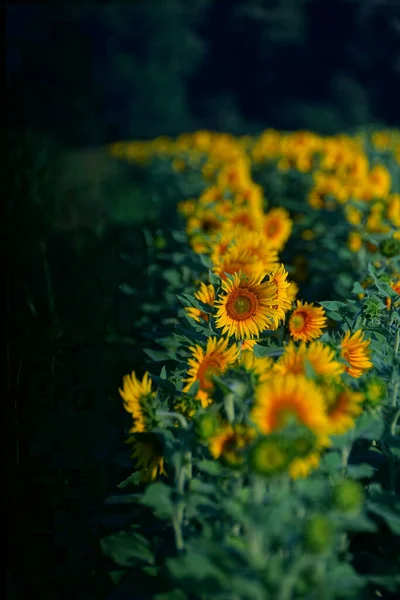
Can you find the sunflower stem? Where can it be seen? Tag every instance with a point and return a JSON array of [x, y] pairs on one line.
[[230, 407], [289, 581], [173, 415]]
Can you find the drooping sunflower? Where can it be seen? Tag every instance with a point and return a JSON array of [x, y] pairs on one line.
[[205, 294], [136, 395], [205, 364], [148, 457], [247, 306], [320, 356], [147, 452], [306, 321], [229, 442], [277, 227], [343, 406], [355, 351], [293, 396], [279, 277]]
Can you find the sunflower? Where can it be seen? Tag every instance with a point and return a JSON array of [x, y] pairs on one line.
[[343, 406], [147, 454], [205, 294], [300, 468], [355, 351], [136, 395], [147, 451], [282, 398], [260, 367], [354, 241], [320, 356], [247, 306], [248, 252], [277, 227], [205, 364], [229, 442], [306, 321], [279, 277]]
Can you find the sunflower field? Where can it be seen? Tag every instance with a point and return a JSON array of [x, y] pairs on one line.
[[264, 427]]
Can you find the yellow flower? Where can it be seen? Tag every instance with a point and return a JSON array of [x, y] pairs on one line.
[[353, 215], [229, 442], [277, 227], [205, 294], [248, 252], [306, 321], [247, 306], [136, 394], [147, 451], [393, 209], [205, 364], [279, 278], [343, 406], [283, 397], [300, 468], [354, 241], [292, 291], [379, 181], [320, 357], [354, 349], [261, 367]]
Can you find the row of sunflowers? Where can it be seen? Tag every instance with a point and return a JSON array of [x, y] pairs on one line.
[[268, 443]]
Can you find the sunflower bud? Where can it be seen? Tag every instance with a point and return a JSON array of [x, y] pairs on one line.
[[318, 534], [390, 247], [348, 496], [206, 425], [268, 457]]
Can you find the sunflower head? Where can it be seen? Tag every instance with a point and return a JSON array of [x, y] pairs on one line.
[[355, 351], [148, 456], [307, 321], [247, 306], [205, 364], [230, 442], [138, 400]]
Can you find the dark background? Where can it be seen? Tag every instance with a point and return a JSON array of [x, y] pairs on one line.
[[91, 73], [80, 227]]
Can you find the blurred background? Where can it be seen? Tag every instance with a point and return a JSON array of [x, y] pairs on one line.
[[90, 73], [81, 226]]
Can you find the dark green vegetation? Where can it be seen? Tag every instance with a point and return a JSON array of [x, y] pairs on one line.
[[80, 227]]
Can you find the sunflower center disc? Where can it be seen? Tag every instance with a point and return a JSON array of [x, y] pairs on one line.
[[242, 305], [298, 322]]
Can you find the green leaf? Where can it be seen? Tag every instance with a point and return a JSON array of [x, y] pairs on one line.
[[271, 350], [174, 595], [128, 289], [117, 576], [210, 467], [195, 567], [127, 548], [344, 580], [214, 279], [369, 427], [357, 288], [158, 496], [389, 513], [360, 471], [133, 479], [156, 355], [334, 305]]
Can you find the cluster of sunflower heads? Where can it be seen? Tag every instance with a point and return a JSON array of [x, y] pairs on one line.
[[258, 425]]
